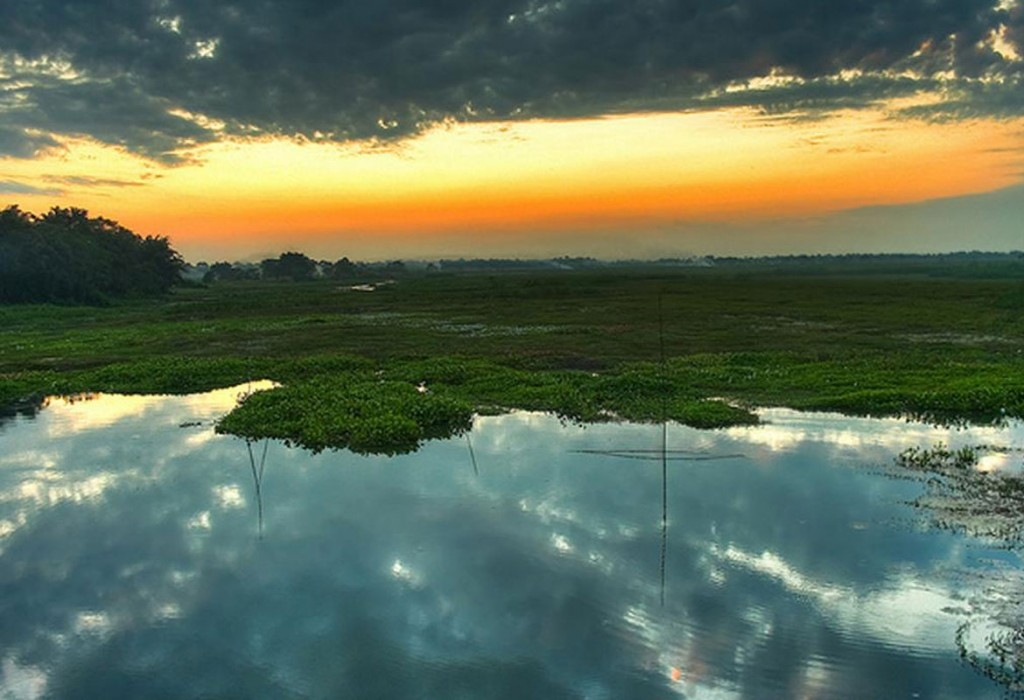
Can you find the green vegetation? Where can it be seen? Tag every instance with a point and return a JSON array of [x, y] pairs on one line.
[[696, 345], [941, 459], [66, 256], [961, 497], [351, 411]]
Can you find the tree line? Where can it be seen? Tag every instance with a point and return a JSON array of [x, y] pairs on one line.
[[67, 256], [292, 266]]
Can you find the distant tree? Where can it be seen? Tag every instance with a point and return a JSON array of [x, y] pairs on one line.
[[343, 268], [68, 256], [293, 266], [219, 271], [225, 272]]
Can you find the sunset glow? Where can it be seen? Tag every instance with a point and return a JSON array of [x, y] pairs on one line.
[[592, 183], [612, 173]]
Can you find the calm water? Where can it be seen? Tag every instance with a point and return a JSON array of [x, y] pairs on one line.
[[528, 561]]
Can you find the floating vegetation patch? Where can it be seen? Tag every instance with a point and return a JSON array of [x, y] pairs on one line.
[[394, 409], [939, 458], [951, 405], [642, 392], [992, 640], [349, 411], [964, 495]]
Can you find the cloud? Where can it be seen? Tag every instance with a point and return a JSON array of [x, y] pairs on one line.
[[157, 77], [14, 187], [24, 142], [83, 181]]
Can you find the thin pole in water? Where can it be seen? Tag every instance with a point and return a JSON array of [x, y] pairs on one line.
[[664, 506], [664, 444]]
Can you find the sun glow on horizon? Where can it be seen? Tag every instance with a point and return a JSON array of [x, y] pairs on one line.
[[633, 170]]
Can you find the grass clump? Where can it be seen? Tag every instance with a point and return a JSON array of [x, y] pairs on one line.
[[637, 391], [349, 411], [393, 409], [939, 458]]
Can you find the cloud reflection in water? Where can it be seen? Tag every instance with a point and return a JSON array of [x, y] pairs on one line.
[[131, 564]]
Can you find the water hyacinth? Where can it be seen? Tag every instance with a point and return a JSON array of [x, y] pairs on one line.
[[349, 411]]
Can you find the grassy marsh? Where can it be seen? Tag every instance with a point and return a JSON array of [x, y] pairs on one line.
[[700, 346]]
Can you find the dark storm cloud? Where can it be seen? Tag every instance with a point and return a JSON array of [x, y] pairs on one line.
[[156, 76], [23, 142]]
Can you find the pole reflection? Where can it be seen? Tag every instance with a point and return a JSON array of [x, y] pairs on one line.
[[257, 479]]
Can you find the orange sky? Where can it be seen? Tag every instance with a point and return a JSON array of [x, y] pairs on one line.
[[516, 183]]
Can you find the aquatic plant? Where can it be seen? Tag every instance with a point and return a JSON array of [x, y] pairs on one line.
[[352, 411], [961, 497], [939, 458], [992, 640]]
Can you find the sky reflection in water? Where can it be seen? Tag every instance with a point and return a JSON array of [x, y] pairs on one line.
[[131, 563]]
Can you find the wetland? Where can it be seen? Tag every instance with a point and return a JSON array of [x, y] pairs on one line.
[[747, 481]]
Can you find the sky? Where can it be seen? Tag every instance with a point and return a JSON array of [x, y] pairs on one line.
[[384, 129]]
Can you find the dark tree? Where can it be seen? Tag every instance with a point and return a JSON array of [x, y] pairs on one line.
[[293, 266], [342, 269], [68, 256], [227, 272]]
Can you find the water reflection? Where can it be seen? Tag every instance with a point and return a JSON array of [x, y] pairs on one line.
[[472, 455], [27, 408], [257, 479], [662, 455], [129, 566]]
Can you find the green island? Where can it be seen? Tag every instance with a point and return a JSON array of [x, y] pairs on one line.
[[389, 357]]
